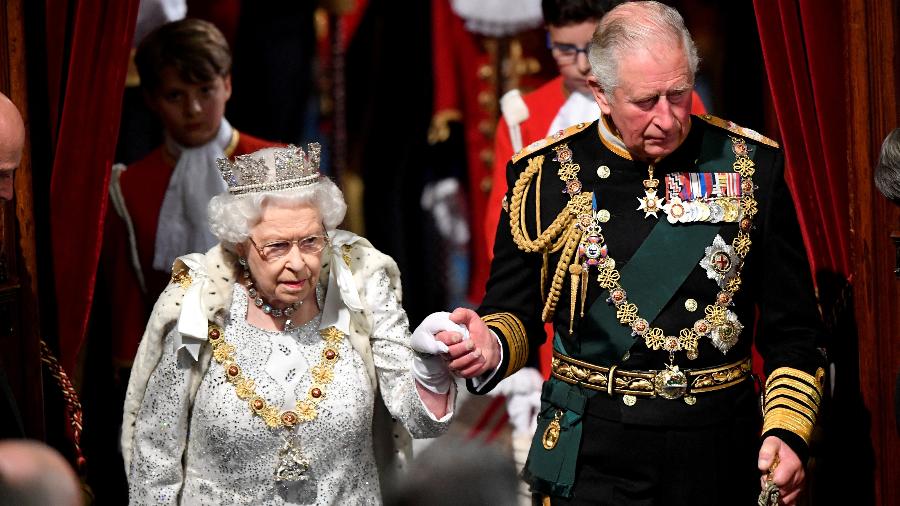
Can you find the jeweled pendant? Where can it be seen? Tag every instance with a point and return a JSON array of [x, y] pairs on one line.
[[292, 465], [721, 262], [671, 383], [551, 433], [725, 336], [649, 204]]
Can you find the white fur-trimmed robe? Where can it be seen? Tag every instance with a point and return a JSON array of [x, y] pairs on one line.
[[219, 268]]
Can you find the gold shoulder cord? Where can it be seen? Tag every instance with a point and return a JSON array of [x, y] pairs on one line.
[[562, 234]]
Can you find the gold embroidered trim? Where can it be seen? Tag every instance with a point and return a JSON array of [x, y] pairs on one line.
[[792, 387], [606, 142], [513, 331], [792, 401], [552, 139], [642, 383], [734, 128], [322, 375], [781, 374], [784, 418], [798, 406]]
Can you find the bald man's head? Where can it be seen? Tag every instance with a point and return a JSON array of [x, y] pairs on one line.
[[12, 141], [32, 473]]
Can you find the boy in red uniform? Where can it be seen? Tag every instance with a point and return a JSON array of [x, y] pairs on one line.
[[158, 204]]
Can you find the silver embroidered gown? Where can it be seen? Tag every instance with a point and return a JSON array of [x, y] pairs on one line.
[[214, 450]]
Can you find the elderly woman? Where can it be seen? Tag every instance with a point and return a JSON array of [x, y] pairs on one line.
[[259, 374]]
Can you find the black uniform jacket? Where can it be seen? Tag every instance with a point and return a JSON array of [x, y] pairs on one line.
[[775, 303]]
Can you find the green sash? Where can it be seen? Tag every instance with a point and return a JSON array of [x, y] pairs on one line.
[[655, 271], [652, 276], [552, 472]]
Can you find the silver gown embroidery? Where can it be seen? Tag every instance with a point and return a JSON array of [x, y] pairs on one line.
[[212, 450]]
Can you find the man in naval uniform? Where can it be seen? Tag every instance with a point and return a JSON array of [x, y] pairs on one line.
[[652, 239]]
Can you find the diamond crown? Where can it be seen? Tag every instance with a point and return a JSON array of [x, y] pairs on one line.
[[293, 168]]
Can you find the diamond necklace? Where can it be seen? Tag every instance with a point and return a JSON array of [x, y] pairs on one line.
[[267, 308]]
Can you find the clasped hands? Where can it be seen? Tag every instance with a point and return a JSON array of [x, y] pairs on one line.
[[448, 344]]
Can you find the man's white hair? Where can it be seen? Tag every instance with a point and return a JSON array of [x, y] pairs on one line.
[[637, 25], [232, 216]]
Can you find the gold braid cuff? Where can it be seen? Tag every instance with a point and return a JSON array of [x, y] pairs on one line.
[[510, 328], [792, 400]]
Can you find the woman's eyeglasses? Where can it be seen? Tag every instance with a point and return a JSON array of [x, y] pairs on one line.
[[273, 250]]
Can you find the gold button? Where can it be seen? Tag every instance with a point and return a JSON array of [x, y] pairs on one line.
[[487, 99], [486, 184], [487, 156], [485, 72], [486, 127]]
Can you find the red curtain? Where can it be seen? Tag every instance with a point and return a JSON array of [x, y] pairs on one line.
[[802, 45], [88, 127]]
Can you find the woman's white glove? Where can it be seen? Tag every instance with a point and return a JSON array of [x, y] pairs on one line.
[[429, 368]]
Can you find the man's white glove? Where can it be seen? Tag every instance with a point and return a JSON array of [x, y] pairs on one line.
[[429, 368]]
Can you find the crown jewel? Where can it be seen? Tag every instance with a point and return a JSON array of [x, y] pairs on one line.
[[293, 168]]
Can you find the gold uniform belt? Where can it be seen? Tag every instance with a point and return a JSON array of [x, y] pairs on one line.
[[670, 383]]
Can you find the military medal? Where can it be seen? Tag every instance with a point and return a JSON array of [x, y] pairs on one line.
[[592, 252], [650, 203], [551, 433], [726, 335], [721, 262], [675, 210]]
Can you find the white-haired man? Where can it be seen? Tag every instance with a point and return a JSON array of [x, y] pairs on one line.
[[651, 239]]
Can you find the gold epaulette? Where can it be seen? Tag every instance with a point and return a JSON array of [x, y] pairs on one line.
[[792, 399], [513, 332], [739, 130], [547, 141]]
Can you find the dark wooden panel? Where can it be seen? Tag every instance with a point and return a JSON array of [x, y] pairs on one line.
[[20, 349], [873, 112]]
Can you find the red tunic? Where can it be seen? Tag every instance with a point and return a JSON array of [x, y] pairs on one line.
[[143, 187]]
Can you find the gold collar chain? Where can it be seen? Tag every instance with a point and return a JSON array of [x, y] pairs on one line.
[[307, 409], [291, 464]]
